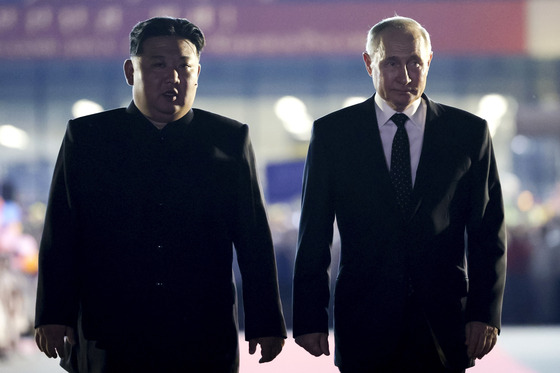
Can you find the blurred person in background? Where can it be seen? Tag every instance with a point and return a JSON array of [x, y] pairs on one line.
[[422, 268], [146, 205], [12, 308], [18, 269]]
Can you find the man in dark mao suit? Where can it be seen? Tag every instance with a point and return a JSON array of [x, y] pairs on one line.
[[420, 285], [145, 208]]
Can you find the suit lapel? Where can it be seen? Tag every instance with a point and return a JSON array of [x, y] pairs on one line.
[[374, 156], [428, 164]]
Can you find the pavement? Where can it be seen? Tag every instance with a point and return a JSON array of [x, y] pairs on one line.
[[519, 350]]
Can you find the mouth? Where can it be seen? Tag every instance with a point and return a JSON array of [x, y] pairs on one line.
[[171, 95], [405, 92]]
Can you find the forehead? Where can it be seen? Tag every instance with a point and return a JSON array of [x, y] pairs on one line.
[[399, 42], [168, 46]]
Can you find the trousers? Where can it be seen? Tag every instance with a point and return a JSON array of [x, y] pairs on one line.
[[162, 356], [416, 351]]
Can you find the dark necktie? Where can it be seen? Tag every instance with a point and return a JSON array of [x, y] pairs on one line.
[[400, 162]]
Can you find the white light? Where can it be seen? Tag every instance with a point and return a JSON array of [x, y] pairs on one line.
[[85, 107], [353, 100], [511, 186], [294, 116], [13, 137], [493, 107], [520, 144]]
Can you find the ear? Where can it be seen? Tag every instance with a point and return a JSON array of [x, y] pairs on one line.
[[129, 72], [197, 75], [430, 60], [367, 62]]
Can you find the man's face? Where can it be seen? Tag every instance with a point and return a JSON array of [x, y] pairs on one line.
[[164, 78], [399, 69]]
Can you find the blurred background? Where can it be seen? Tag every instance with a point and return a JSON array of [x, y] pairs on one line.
[[278, 65]]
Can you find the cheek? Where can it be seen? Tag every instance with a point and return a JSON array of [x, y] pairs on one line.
[[421, 74], [386, 78], [192, 78], [422, 79], [189, 80], [377, 75], [150, 84]]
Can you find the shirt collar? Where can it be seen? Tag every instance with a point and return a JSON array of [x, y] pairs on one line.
[[385, 112]]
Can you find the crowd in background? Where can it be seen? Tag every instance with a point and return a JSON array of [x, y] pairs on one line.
[[533, 284], [532, 287], [18, 270]]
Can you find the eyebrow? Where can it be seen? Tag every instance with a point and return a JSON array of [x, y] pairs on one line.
[[391, 58], [157, 56]]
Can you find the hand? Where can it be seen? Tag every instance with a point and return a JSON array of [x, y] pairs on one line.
[[50, 339], [270, 347], [481, 339], [316, 344]]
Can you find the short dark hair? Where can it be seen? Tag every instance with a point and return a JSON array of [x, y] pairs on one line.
[[165, 26]]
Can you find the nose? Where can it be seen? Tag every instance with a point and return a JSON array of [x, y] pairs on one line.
[[404, 76], [172, 76]]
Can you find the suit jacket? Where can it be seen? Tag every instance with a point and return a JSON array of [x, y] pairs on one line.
[[140, 230], [450, 249]]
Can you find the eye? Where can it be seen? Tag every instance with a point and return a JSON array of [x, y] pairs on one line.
[[415, 64], [392, 62]]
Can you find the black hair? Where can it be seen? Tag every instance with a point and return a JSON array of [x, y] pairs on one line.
[[165, 26]]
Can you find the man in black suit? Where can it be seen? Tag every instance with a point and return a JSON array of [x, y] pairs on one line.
[[145, 208], [422, 267]]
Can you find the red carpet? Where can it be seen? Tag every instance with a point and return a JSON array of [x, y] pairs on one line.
[[294, 359]]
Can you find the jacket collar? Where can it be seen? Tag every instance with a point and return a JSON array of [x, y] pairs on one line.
[[185, 120]]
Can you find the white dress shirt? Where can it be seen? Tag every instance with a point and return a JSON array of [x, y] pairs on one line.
[[414, 128]]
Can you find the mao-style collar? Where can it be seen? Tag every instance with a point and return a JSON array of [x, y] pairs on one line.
[[186, 119]]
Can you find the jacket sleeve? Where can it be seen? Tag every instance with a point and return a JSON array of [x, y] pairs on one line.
[[486, 234], [313, 258], [57, 293], [255, 252]]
